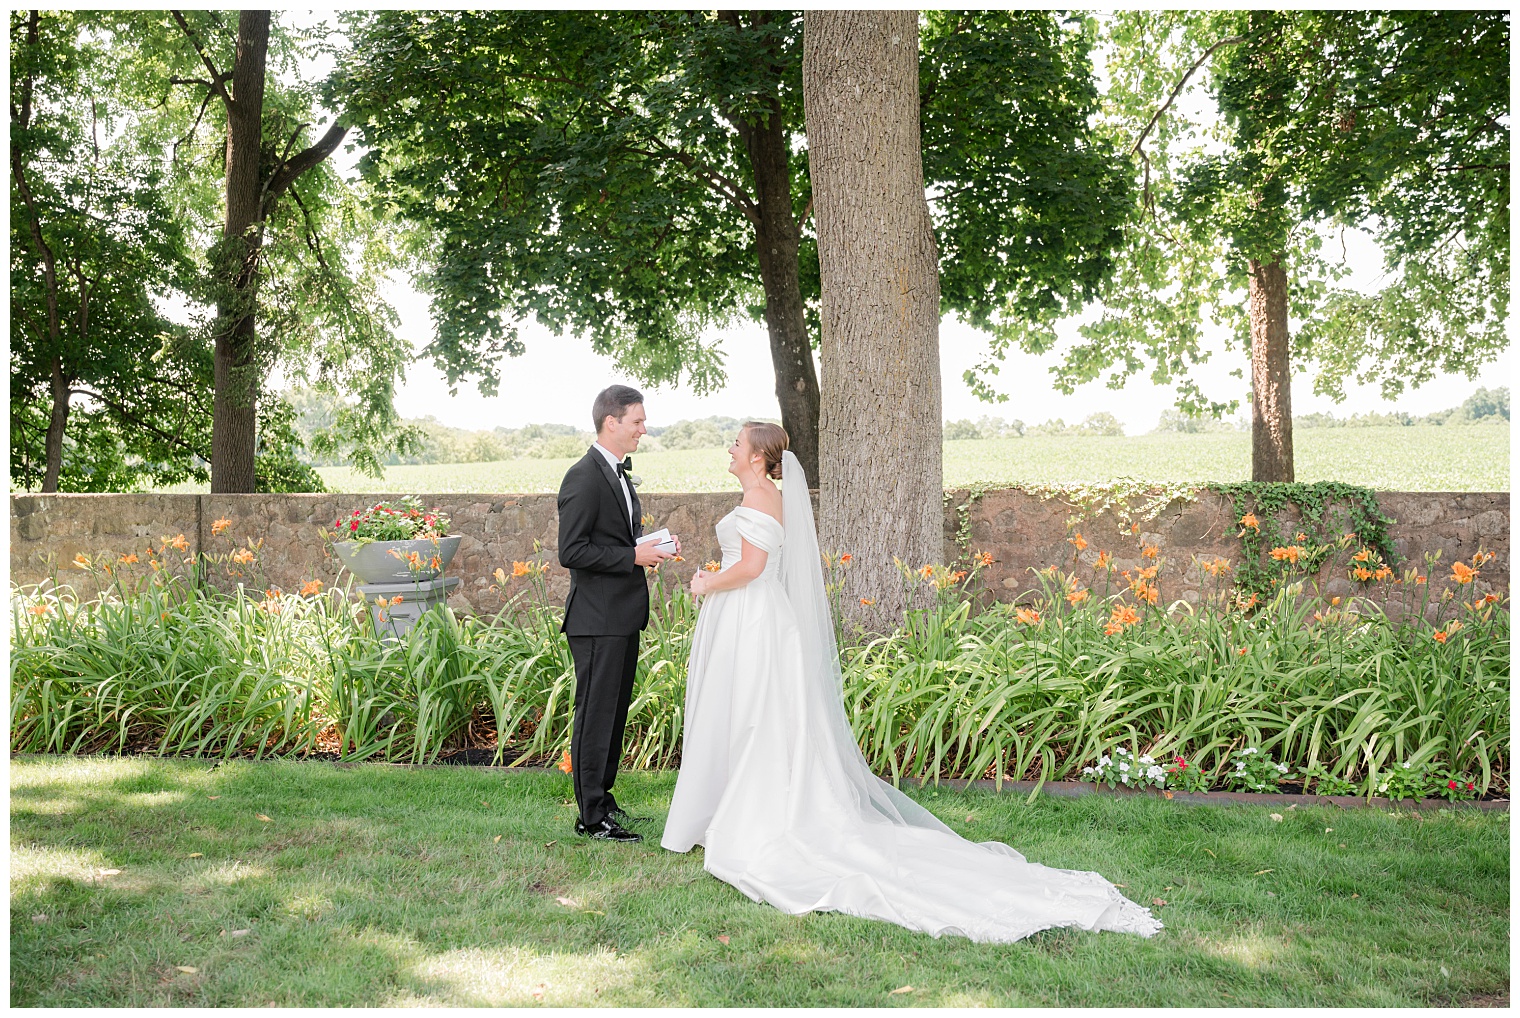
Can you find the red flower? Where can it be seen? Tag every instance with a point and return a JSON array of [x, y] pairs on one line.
[[1469, 786], [1451, 784], [354, 525]]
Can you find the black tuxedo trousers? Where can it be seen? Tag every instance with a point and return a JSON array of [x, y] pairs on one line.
[[606, 609]]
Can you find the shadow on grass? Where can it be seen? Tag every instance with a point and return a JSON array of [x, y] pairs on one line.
[[384, 886]]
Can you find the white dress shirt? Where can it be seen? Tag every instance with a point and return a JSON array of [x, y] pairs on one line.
[[614, 461]]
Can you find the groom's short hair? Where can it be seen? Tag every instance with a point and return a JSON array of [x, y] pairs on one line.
[[613, 401]]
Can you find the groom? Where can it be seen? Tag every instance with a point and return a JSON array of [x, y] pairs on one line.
[[608, 603]]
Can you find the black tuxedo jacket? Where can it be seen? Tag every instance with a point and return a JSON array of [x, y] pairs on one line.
[[609, 594]]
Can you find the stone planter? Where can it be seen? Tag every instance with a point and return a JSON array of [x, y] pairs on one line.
[[374, 563]]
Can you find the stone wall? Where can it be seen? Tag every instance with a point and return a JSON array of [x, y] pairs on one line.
[[1021, 531]]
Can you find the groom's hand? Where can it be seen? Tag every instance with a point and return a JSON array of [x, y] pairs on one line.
[[648, 554]]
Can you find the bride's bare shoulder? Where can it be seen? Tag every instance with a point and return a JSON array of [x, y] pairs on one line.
[[766, 501]]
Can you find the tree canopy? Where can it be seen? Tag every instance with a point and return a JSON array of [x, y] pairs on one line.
[[1389, 122], [626, 175]]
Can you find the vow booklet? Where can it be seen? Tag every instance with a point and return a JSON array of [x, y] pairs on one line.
[[665, 541]]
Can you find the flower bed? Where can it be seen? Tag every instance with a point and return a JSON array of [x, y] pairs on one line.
[[1333, 696]]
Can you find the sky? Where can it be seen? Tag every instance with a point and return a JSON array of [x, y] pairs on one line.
[[557, 378]]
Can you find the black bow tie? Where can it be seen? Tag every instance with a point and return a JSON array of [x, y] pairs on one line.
[[626, 467]]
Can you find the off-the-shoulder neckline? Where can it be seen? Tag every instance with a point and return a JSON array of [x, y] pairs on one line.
[[761, 512]]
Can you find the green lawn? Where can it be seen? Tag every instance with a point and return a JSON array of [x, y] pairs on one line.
[[385, 886], [1393, 459]]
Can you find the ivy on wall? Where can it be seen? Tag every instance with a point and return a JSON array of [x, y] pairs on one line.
[[1328, 512]]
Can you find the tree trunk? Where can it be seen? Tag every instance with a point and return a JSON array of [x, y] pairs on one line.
[[777, 237], [879, 425], [236, 369], [57, 422], [1271, 374]]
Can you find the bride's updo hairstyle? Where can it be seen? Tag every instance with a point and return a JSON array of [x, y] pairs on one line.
[[770, 441]]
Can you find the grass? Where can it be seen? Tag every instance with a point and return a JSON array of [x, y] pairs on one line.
[[1392, 459], [384, 886]]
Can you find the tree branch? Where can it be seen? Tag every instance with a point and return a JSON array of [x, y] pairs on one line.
[[126, 415], [1177, 90], [218, 80], [1136, 149], [303, 161]]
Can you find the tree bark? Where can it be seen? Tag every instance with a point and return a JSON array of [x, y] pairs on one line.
[[882, 485], [1271, 374], [235, 369], [777, 237]]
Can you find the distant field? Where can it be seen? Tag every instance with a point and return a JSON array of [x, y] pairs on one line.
[[1396, 459]]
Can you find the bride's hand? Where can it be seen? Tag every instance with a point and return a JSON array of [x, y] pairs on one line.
[[699, 583]]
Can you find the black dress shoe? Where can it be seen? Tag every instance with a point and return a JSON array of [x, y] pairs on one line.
[[607, 830], [623, 817]]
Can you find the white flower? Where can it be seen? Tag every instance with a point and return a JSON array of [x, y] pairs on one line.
[[1124, 766], [1282, 768]]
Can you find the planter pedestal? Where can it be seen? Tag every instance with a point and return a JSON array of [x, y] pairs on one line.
[[416, 598]]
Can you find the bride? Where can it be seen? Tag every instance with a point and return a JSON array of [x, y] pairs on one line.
[[772, 783]]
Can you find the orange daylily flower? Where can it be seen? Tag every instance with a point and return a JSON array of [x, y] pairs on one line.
[[1420, 579], [846, 557], [564, 762], [1490, 598], [219, 526], [129, 558], [521, 569], [1439, 636], [1243, 651], [1460, 573], [1362, 574], [1250, 520], [1028, 616], [984, 559], [1334, 601], [713, 566], [1301, 536], [1103, 560], [1077, 541], [272, 593], [242, 556], [1149, 551], [311, 587], [1148, 573], [868, 601], [1076, 597], [177, 542], [81, 561], [40, 610], [1362, 556], [1134, 528], [1247, 602], [927, 572], [1124, 615], [1290, 553], [1382, 573]]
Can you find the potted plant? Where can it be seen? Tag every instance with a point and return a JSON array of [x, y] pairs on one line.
[[395, 542]]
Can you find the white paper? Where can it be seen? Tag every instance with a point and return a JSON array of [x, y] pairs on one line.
[[664, 541]]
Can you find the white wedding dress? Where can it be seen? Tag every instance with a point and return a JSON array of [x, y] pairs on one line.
[[775, 789]]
